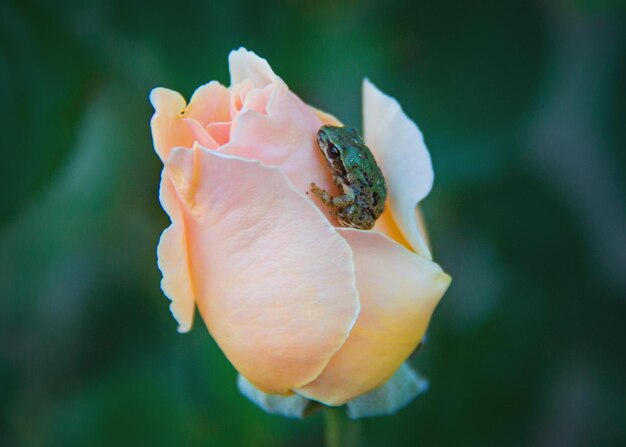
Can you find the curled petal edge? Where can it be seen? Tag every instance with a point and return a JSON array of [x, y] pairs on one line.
[[398, 146]]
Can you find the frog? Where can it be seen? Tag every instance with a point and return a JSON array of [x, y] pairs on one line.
[[356, 174]]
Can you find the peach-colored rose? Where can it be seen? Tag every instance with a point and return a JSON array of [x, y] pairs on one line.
[[295, 302]]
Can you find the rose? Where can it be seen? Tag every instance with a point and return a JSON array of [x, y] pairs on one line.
[[296, 303]]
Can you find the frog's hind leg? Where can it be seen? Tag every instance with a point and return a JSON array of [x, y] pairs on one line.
[[336, 202]]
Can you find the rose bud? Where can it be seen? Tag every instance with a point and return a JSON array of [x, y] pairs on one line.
[[304, 301]]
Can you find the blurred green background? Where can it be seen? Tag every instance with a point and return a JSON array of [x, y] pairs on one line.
[[523, 105]]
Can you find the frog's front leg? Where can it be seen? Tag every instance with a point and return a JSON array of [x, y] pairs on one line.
[[337, 202]]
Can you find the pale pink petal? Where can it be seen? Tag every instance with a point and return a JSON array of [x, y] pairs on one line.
[[399, 291], [244, 64], [398, 146], [173, 260], [237, 97], [284, 137], [200, 134], [208, 103], [258, 98], [220, 132], [273, 280]]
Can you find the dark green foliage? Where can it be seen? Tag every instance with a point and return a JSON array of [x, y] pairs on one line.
[[523, 108]]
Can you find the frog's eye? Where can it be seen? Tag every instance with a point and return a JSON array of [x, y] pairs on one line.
[[332, 152]]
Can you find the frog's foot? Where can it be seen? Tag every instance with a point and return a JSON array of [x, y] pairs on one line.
[[335, 202], [322, 194]]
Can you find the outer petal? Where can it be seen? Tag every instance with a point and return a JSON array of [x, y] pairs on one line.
[[399, 149], [399, 291], [173, 259], [394, 394], [285, 137], [169, 127], [273, 280], [244, 64], [168, 130], [292, 406]]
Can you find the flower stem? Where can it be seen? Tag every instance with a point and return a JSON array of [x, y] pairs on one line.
[[340, 431]]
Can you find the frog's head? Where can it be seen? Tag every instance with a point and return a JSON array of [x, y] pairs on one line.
[[337, 143]]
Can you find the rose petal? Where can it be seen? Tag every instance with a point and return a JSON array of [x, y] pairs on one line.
[[284, 137], [258, 98], [244, 64], [387, 226], [292, 406], [399, 291], [168, 130], [390, 397], [208, 103], [237, 97], [173, 259], [220, 132], [286, 130], [273, 280], [326, 118], [200, 134], [398, 146], [421, 226]]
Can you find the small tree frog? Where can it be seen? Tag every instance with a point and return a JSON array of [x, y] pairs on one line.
[[356, 173]]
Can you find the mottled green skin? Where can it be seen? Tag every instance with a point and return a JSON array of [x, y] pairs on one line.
[[356, 173]]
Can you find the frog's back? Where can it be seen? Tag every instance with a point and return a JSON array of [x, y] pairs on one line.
[[366, 179], [353, 164]]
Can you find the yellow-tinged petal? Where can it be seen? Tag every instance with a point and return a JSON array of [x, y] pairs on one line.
[[168, 130], [399, 149], [386, 225], [421, 225], [173, 259], [173, 121], [399, 291], [326, 118], [273, 280]]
